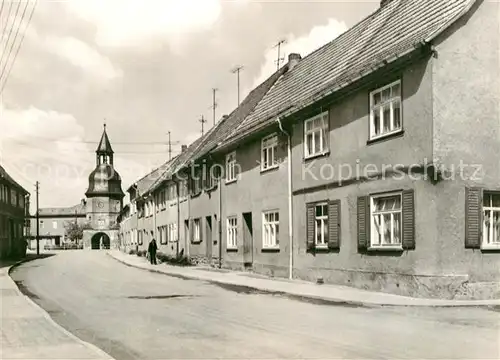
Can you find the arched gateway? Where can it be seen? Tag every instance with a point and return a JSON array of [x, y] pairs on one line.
[[104, 200]]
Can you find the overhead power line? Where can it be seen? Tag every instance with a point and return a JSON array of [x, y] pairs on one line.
[[19, 46], [10, 32], [8, 16], [15, 38]]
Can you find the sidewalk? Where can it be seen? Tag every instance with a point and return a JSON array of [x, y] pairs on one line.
[[28, 332], [295, 289]]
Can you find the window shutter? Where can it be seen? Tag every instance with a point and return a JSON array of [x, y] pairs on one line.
[[473, 218], [334, 224], [363, 222], [191, 230], [310, 226], [408, 213]]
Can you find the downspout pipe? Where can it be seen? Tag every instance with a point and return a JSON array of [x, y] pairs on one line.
[[290, 202]]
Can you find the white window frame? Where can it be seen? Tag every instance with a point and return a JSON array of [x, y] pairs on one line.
[[232, 232], [269, 147], [54, 224], [490, 228], [380, 107], [270, 230], [391, 245], [197, 230], [231, 175], [323, 138], [324, 225]]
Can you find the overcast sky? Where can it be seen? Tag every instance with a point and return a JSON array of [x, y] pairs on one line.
[[147, 67]]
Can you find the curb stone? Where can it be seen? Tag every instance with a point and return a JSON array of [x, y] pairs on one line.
[[88, 345], [305, 297]]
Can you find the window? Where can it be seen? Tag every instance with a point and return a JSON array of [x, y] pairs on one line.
[[21, 202], [196, 183], [183, 189], [385, 110], [491, 220], [1, 193], [386, 221], [54, 224], [231, 167], [321, 225], [172, 232], [197, 230], [209, 174], [268, 159], [316, 135], [270, 222], [13, 197], [232, 232]]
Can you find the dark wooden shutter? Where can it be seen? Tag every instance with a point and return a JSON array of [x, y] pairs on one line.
[[334, 224], [473, 218], [191, 230], [408, 213], [363, 222], [310, 226]]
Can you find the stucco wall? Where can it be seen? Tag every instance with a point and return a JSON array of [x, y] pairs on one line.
[[466, 105], [349, 133], [202, 206], [255, 192]]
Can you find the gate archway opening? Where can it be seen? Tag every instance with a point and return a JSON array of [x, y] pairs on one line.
[[100, 241]]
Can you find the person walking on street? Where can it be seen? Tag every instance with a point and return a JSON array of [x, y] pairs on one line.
[[152, 250]]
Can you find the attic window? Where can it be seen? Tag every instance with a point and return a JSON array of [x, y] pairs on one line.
[[386, 111]]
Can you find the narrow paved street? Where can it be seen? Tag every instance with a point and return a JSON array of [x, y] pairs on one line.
[[134, 314]]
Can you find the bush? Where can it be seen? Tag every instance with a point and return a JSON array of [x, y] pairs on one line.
[[141, 252], [174, 260], [132, 252]]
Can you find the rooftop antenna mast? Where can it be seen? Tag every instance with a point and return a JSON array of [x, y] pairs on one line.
[[280, 59], [169, 147], [202, 121], [236, 71], [214, 102]]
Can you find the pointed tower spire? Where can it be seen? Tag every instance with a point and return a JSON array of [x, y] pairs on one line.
[[104, 151]]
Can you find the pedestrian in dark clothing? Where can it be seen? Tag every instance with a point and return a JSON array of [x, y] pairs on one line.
[[152, 251]]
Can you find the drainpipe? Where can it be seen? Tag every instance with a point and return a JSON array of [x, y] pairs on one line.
[[178, 217], [290, 209], [219, 223]]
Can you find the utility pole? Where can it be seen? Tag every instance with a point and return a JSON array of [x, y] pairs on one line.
[[37, 220], [169, 147], [280, 59], [203, 121], [237, 70], [214, 103]]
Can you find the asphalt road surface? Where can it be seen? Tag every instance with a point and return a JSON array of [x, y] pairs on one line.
[[135, 314]]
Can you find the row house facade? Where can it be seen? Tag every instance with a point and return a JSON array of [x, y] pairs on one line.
[[14, 216], [370, 162]]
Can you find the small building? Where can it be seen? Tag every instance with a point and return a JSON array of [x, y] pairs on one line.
[[14, 216], [52, 225]]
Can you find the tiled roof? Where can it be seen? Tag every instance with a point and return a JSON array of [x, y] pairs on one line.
[[144, 184], [63, 211], [227, 125], [208, 141], [394, 30], [5, 175]]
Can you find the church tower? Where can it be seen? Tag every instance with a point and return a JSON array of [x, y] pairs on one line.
[[104, 199]]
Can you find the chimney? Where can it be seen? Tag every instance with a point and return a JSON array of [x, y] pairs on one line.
[[183, 148], [293, 59]]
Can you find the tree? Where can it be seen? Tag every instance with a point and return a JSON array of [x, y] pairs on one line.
[[74, 231]]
